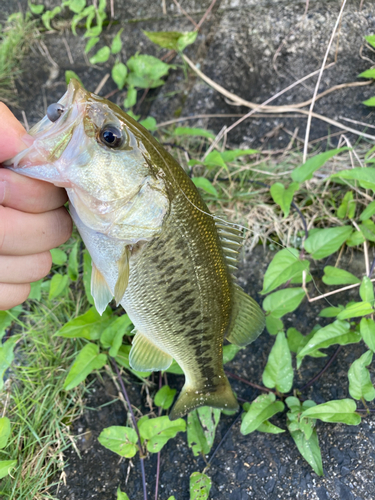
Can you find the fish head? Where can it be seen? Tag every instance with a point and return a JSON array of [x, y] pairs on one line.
[[87, 145]]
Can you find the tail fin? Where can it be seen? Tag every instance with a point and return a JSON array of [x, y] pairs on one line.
[[221, 397]]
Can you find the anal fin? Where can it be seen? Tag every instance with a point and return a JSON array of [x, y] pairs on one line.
[[100, 291], [145, 356], [247, 321]]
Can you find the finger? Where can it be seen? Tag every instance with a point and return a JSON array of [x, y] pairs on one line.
[[24, 268], [29, 195], [27, 234], [12, 295], [13, 137]]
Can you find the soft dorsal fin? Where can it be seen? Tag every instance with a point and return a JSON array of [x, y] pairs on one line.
[[231, 241], [100, 291], [247, 321], [123, 275], [144, 356]]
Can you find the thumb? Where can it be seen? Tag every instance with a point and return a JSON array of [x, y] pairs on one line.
[[13, 137]]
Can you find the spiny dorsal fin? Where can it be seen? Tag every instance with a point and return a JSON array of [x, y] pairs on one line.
[[144, 356], [231, 241], [123, 276], [247, 321], [100, 291]]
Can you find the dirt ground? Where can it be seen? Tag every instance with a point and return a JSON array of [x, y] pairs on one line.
[[254, 49]]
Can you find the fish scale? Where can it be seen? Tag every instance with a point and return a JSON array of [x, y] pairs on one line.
[[154, 245]]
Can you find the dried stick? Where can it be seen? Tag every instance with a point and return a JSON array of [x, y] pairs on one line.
[[324, 369], [256, 386], [309, 118]]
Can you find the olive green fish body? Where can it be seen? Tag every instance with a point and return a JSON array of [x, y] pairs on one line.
[[154, 245]]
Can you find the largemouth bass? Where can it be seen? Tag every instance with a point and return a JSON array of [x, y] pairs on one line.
[[155, 247]]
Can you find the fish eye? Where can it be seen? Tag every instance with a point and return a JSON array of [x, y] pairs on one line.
[[111, 136], [54, 111]]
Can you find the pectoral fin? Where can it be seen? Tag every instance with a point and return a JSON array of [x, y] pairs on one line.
[[100, 291], [146, 357], [123, 276], [247, 321]]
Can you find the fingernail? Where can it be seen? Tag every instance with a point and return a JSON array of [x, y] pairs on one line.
[[27, 139], [2, 191]]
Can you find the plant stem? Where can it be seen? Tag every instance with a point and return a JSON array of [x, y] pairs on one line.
[[158, 456], [225, 436], [256, 386], [325, 368], [135, 427]]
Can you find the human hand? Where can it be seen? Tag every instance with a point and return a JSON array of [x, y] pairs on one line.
[[32, 219]]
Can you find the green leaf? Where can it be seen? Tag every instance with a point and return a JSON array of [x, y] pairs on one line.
[[305, 171], [355, 239], [4, 431], [121, 495], [200, 486], [339, 411], [113, 334], [87, 361], [91, 42], [215, 159], [371, 40], [355, 310], [283, 197], [117, 43], [205, 184], [330, 312], [49, 15], [369, 73], [175, 368], [35, 290], [279, 372], [36, 9], [120, 440], [7, 318], [284, 301], [324, 242], [232, 154], [260, 410], [337, 332], [229, 352], [368, 229], [131, 98], [368, 212], [59, 257], [195, 132], [69, 75], [336, 276], [172, 40], [58, 285], [297, 341], [164, 397], [119, 74], [209, 419], [101, 56], [146, 71], [284, 266], [366, 290], [365, 176], [88, 326], [270, 428], [309, 449], [87, 270], [75, 6], [159, 430], [367, 329], [6, 356], [347, 207], [6, 466], [149, 123], [360, 385], [274, 325], [369, 102], [195, 436], [73, 263]]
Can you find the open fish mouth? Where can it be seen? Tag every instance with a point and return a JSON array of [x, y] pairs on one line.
[[51, 136]]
